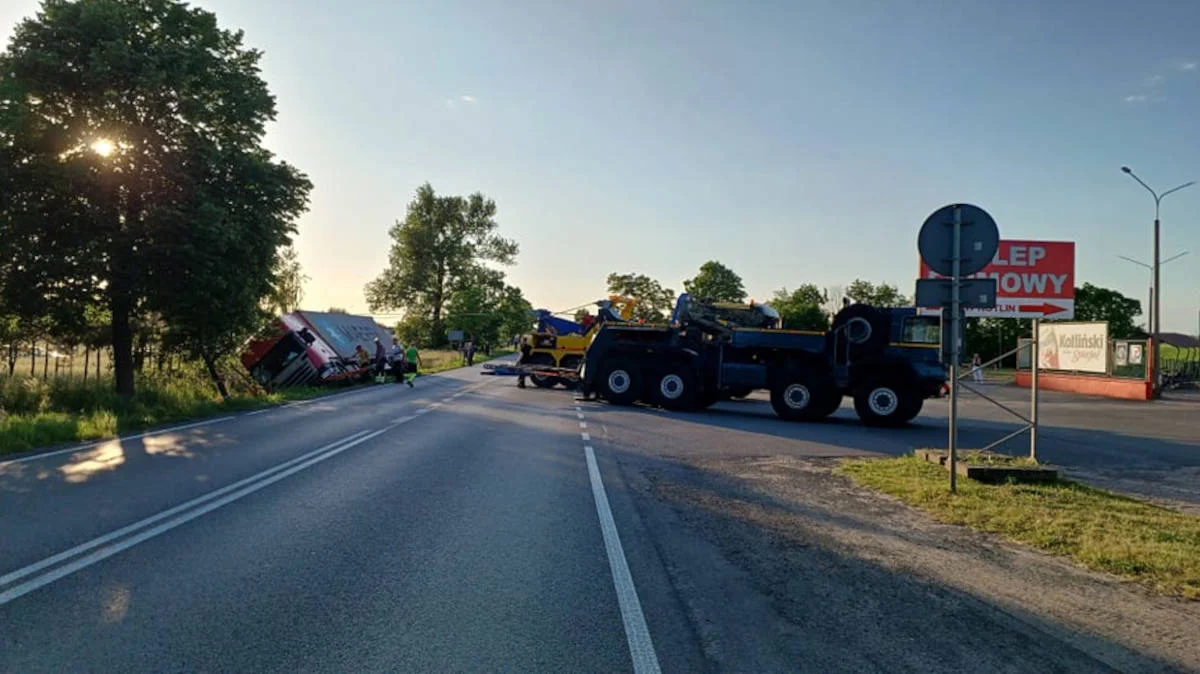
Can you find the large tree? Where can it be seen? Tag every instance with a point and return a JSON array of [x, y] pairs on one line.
[[441, 241], [716, 283], [484, 306], [130, 139], [1093, 303], [288, 290], [800, 309], [654, 302], [878, 295]]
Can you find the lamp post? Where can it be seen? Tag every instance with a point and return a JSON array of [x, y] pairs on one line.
[[1156, 329], [1150, 305]]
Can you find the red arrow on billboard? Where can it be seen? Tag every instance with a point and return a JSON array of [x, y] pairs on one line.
[[1043, 309]]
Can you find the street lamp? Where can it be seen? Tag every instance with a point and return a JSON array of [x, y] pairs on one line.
[[1150, 305], [1157, 315]]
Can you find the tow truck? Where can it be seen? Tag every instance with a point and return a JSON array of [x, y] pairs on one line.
[[887, 360]]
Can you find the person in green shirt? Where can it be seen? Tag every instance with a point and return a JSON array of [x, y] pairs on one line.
[[414, 361]]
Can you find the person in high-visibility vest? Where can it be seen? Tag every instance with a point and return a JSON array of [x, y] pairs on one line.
[[413, 356]]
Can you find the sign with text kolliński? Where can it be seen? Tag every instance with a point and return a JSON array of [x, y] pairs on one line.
[[1073, 347]]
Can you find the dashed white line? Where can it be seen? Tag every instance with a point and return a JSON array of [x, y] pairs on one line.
[[586, 437], [421, 410], [580, 415], [641, 648], [434, 406], [583, 424]]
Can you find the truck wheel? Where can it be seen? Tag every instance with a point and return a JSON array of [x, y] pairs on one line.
[[912, 408], [620, 382], [885, 402], [675, 389], [833, 401], [571, 362], [799, 395], [542, 381]]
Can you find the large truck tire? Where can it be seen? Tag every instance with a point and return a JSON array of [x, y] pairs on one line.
[[676, 388], [541, 381], [832, 403], [799, 394], [620, 381], [886, 402]]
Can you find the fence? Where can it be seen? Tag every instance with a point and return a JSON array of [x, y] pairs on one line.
[[1180, 367]]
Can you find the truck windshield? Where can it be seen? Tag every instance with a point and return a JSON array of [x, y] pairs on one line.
[[284, 352], [922, 330]]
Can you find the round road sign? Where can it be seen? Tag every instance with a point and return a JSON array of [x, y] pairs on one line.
[[978, 242]]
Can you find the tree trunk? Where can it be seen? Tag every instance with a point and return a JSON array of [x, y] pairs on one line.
[[122, 343], [87, 355], [45, 360], [33, 358], [211, 365], [99, 352]]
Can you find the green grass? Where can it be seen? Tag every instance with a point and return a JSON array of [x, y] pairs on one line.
[[37, 413], [1102, 531], [441, 360]]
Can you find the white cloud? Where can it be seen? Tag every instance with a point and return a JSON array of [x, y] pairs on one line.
[[1155, 80], [468, 99], [1135, 98], [1189, 65]]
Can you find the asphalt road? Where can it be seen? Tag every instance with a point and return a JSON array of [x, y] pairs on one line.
[[465, 525]]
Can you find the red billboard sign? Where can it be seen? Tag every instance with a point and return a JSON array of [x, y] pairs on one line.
[[1034, 279]]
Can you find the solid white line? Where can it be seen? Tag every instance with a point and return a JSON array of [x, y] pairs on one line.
[[586, 437], [641, 648], [104, 553], [434, 406], [421, 410], [448, 400], [403, 420], [120, 438], [267, 409], [84, 547]]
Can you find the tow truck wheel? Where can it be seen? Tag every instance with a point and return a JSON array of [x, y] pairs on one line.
[[886, 403], [676, 389], [799, 395], [542, 381], [571, 362], [620, 382]]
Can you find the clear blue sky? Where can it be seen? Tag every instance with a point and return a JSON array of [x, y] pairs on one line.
[[794, 141]]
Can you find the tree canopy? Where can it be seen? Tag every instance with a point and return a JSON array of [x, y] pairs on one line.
[[132, 175], [800, 309], [878, 295], [1093, 303], [489, 309], [716, 283], [442, 241], [655, 302]]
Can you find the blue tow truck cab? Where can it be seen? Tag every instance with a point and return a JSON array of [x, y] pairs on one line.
[[887, 360]]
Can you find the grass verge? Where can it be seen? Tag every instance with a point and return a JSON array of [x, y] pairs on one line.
[[441, 360], [1102, 531]]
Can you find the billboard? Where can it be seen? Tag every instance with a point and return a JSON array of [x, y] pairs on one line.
[[1034, 279], [1073, 347]]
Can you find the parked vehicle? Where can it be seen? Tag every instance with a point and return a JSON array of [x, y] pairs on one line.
[[888, 360], [558, 345], [312, 347]]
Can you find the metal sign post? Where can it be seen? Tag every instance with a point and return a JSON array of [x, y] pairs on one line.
[[956, 241], [1035, 356]]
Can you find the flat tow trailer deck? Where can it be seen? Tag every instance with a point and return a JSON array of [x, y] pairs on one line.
[[507, 370]]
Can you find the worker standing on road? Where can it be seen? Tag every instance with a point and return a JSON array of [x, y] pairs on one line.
[[526, 347], [976, 370], [471, 352], [413, 358], [380, 360], [398, 361]]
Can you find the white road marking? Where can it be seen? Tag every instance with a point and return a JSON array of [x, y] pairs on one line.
[[641, 648], [580, 415], [102, 540], [586, 437], [421, 410], [434, 406], [403, 420], [448, 400], [583, 424], [268, 409], [120, 438]]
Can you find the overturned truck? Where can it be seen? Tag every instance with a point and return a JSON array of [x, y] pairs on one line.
[[312, 348], [887, 360]]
